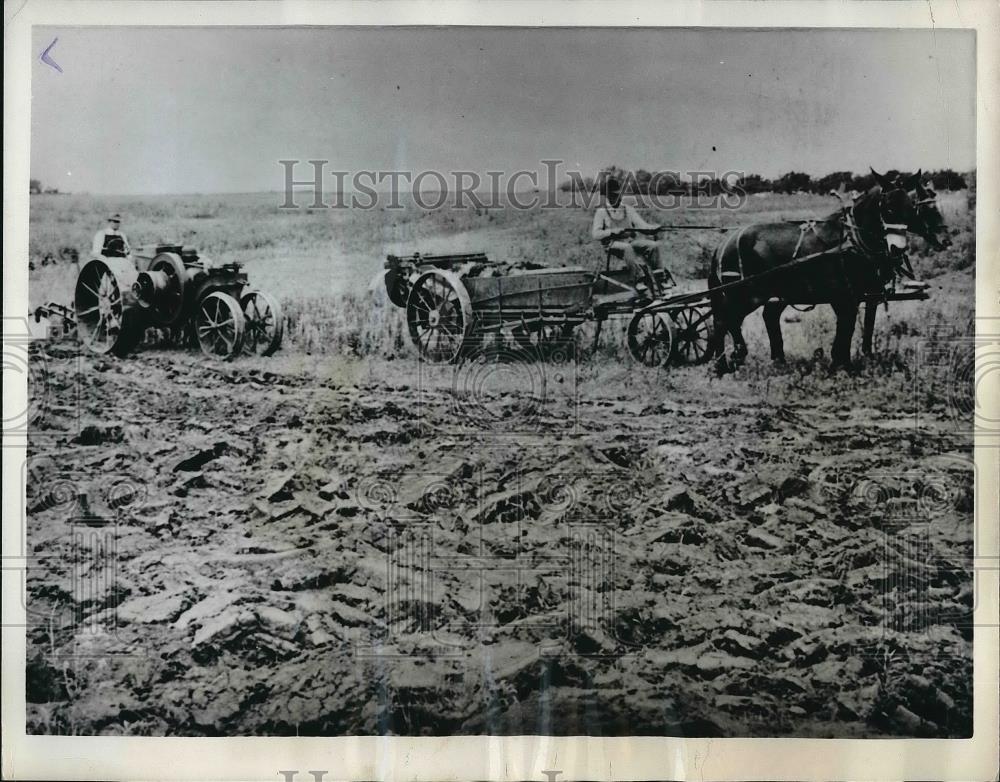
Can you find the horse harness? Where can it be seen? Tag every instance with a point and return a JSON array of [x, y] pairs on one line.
[[851, 241]]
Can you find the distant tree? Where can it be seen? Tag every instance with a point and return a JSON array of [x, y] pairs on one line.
[[863, 182], [946, 179], [755, 183], [792, 182], [642, 180], [578, 184], [665, 182], [832, 181], [34, 187]]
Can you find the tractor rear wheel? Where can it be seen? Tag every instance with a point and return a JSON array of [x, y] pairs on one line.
[[107, 320]]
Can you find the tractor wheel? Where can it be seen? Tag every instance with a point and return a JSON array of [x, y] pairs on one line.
[[264, 323], [650, 338], [106, 317], [439, 316], [220, 326]]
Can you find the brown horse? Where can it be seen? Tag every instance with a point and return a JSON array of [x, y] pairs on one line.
[[837, 260], [930, 224]]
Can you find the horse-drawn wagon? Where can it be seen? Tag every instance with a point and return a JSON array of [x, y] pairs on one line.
[[854, 256], [454, 303]]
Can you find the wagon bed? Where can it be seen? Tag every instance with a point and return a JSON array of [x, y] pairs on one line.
[[453, 302]]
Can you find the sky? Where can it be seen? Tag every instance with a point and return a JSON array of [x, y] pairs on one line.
[[202, 110]]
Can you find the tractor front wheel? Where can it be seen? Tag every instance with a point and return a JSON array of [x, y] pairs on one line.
[[220, 326], [264, 324]]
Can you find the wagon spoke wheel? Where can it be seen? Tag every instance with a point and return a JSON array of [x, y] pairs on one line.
[[104, 323], [439, 316], [650, 338], [692, 335], [264, 324], [220, 326]]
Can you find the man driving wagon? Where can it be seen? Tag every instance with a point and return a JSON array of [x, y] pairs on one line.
[[624, 234]]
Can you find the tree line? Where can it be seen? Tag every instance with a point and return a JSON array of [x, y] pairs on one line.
[[642, 182], [35, 188]]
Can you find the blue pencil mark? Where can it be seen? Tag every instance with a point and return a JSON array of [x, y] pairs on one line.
[[48, 60]]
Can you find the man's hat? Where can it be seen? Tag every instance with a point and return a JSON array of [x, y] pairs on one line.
[[115, 218]]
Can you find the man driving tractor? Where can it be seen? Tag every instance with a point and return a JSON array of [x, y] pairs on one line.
[[619, 229], [110, 242]]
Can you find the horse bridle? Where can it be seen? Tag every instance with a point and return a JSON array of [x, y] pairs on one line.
[[901, 264], [924, 205]]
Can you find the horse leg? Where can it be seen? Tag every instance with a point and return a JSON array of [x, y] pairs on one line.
[[871, 308], [727, 319], [846, 311], [772, 320], [717, 346], [735, 325]]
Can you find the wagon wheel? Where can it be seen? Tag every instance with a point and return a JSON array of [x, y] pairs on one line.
[[220, 325], [692, 335], [555, 342], [439, 316], [106, 323], [650, 338], [264, 324]]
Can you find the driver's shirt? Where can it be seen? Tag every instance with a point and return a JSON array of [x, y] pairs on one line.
[[608, 220], [110, 243]]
